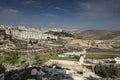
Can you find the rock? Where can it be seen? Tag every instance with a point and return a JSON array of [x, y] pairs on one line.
[[44, 78], [41, 73], [34, 72]]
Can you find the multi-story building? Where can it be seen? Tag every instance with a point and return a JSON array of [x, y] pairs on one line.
[[27, 33]]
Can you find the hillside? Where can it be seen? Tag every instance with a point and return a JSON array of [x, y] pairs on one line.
[[98, 35]]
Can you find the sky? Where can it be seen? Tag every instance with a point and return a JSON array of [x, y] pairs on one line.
[[69, 14]]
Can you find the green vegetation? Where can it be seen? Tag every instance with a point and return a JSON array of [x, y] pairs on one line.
[[107, 71], [11, 57], [23, 58], [19, 44], [61, 34], [47, 57], [26, 74], [2, 69], [117, 79], [104, 56], [37, 58], [32, 41], [17, 58], [44, 58]]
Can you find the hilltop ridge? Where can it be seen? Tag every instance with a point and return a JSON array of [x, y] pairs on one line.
[[97, 34]]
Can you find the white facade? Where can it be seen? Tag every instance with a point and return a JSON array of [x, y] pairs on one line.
[[27, 33], [117, 59]]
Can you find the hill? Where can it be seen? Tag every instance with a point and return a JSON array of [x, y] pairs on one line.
[[98, 35]]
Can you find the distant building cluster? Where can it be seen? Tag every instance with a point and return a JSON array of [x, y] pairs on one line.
[[22, 32]]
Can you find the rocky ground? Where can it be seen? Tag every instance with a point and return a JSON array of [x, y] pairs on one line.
[[49, 73]]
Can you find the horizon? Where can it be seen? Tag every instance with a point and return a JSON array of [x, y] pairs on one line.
[[68, 14], [67, 29]]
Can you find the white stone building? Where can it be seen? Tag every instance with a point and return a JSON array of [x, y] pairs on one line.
[[117, 59], [21, 32]]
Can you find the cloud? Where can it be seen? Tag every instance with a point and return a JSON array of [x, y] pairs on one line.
[[49, 15], [29, 2], [99, 14], [99, 8], [52, 23], [61, 9], [8, 13], [45, 14]]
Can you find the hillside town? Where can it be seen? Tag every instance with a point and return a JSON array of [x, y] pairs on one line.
[[59, 39], [36, 54], [21, 32]]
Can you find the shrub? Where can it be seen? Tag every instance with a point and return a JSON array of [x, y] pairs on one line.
[[107, 71], [11, 57], [2, 69]]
